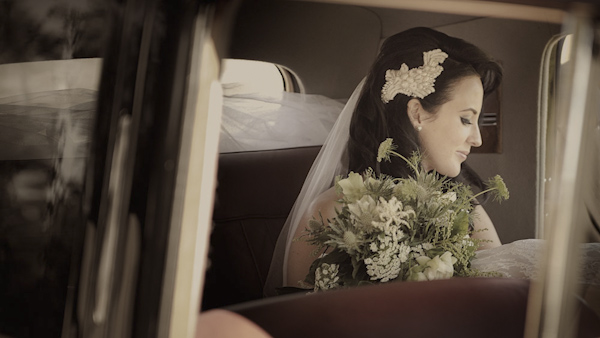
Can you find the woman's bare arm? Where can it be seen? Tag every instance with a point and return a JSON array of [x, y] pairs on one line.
[[219, 323], [300, 255], [482, 221]]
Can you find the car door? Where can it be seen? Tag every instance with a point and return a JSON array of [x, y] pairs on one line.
[[106, 166]]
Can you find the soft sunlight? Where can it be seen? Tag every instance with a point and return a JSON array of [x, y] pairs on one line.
[[245, 76]]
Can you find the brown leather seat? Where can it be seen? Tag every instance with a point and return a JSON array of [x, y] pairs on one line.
[[255, 193], [457, 307]]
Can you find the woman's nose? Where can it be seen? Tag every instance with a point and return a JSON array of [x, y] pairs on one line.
[[475, 137]]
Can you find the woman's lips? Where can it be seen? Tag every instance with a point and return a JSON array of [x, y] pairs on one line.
[[463, 154]]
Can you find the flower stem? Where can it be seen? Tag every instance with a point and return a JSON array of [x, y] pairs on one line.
[[483, 192], [475, 196], [414, 168]]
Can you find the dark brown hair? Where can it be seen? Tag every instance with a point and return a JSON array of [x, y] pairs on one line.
[[373, 120]]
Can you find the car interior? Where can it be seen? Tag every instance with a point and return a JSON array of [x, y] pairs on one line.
[[251, 233], [150, 161]]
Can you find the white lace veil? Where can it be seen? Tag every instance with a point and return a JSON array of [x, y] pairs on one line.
[[329, 163]]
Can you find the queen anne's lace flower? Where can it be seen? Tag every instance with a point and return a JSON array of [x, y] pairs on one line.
[[384, 266], [385, 149], [415, 82], [389, 253], [403, 252], [501, 192], [427, 246], [419, 250], [326, 277]]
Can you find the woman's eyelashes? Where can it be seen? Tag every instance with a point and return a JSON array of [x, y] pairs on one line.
[[465, 121]]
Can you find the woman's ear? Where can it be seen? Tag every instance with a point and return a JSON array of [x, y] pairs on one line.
[[414, 111]]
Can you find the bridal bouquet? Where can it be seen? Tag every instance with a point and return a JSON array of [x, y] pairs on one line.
[[389, 229]]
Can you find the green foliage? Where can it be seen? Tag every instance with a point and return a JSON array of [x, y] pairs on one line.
[[414, 228]]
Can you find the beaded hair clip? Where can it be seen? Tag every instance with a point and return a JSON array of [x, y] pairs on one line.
[[415, 82]]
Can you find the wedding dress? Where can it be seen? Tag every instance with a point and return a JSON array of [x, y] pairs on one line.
[[523, 258], [519, 259]]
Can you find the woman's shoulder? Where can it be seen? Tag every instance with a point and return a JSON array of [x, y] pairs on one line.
[[324, 204]]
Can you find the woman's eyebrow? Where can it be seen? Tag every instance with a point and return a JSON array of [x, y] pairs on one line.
[[471, 110]]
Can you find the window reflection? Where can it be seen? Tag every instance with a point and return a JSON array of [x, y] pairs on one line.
[[49, 76], [33, 30]]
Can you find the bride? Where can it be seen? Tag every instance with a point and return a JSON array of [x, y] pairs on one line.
[[425, 90]]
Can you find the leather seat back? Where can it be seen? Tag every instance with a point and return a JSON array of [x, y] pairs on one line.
[[255, 193]]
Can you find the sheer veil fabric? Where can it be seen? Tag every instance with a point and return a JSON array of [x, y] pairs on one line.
[[329, 163]]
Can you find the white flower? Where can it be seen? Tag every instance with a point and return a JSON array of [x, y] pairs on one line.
[[383, 267], [385, 149], [391, 213], [427, 246], [326, 277], [418, 276], [417, 250], [438, 267], [385, 264], [403, 252], [352, 187], [364, 211]]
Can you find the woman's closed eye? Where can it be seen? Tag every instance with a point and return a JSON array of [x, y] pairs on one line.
[[465, 121]]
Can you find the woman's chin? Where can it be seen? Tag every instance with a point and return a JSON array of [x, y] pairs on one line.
[[450, 172]]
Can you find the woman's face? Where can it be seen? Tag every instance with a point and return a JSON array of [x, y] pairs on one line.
[[448, 135]]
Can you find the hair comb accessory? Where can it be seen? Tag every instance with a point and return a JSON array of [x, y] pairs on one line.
[[414, 82]]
